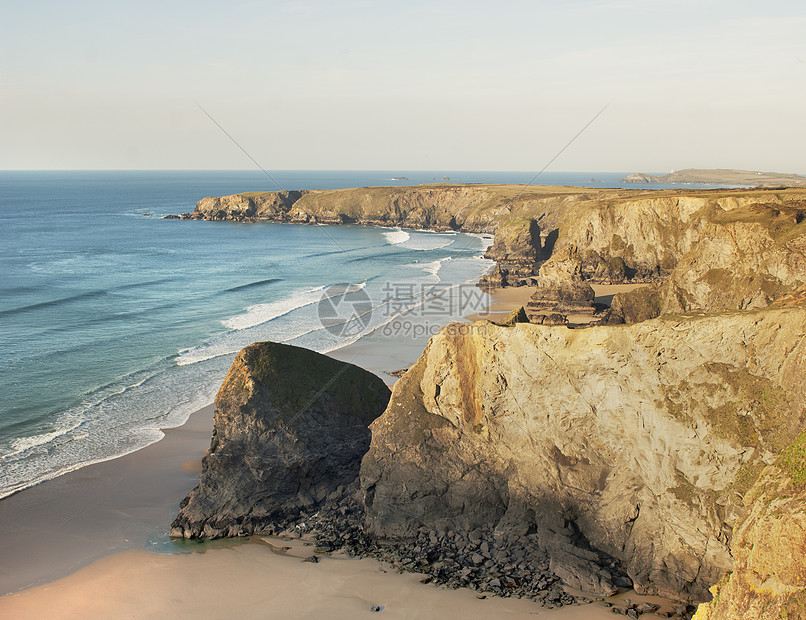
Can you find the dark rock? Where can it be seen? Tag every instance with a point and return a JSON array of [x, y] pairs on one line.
[[291, 426], [640, 304], [580, 572], [313, 559], [552, 319]]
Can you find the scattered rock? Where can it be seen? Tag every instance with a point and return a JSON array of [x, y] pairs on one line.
[[518, 315]]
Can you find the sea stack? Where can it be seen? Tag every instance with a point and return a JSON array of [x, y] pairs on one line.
[[290, 429]]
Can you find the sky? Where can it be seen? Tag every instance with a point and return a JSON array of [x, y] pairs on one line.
[[377, 85]]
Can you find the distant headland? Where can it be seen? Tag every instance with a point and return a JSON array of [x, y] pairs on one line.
[[720, 177]]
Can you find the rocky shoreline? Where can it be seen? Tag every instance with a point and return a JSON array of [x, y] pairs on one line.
[[488, 562]]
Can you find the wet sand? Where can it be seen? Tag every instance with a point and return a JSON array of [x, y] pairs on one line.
[[61, 525], [503, 301], [252, 581], [267, 577]]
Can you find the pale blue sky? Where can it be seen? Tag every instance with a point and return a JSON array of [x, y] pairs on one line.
[[406, 85]]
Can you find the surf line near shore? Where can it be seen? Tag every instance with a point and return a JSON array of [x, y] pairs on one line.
[[130, 408], [134, 497]]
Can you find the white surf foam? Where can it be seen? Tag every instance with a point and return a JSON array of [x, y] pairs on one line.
[[396, 236], [261, 313], [26, 443], [428, 241]]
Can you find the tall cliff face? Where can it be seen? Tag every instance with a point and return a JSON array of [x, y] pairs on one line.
[[768, 581], [641, 439], [290, 429], [745, 257]]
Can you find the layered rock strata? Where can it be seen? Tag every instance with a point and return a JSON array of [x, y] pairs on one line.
[[290, 429], [639, 441]]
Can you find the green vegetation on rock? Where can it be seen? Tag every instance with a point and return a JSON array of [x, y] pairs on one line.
[[296, 377], [793, 461]]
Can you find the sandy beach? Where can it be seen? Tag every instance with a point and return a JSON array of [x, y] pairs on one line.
[[267, 577], [98, 539]]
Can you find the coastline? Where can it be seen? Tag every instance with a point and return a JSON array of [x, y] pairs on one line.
[[112, 521], [127, 503]]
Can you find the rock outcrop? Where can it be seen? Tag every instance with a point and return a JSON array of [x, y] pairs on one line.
[[560, 288], [768, 581], [634, 441], [291, 427], [640, 304], [516, 250], [518, 315]]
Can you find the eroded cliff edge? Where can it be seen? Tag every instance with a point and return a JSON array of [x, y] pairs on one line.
[[642, 438], [769, 544]]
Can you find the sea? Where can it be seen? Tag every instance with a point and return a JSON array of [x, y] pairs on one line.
[[116, 323]]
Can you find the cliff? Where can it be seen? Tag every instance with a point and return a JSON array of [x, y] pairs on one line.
[[517, 248], [620, 235], [639, 441], [743, 257], [290, 429]]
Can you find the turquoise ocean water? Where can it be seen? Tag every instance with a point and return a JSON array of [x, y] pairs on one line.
[[114, 325]]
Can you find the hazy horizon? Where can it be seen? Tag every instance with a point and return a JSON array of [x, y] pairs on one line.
[[425, 86]]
